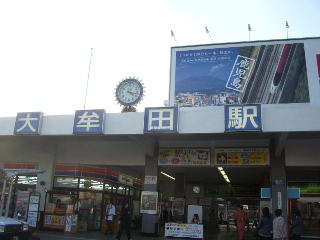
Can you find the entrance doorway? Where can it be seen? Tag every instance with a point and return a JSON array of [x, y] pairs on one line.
[[310, 212]]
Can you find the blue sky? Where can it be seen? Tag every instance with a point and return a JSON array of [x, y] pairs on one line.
[[46, 45]]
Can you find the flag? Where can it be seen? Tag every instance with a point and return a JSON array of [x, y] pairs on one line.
[[172, 34], [287, 25], [249, 28], [207, 31]]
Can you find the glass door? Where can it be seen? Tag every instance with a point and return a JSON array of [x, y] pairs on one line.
[[90, 209], [310, 212]]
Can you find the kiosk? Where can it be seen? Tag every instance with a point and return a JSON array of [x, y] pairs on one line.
[[59, 211]]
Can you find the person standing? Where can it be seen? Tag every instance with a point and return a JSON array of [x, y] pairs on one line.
[[279, 226], [240, 219], [165, 216], [110, 213], [297, 225], [124, 221], [265, 225], [221, 217]]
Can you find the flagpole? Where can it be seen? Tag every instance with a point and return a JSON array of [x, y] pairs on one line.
[[207, 31], [85, 99], [287, 27], [249, 29], [174, 36]]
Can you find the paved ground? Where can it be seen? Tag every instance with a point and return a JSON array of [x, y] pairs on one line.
[[222, 234]]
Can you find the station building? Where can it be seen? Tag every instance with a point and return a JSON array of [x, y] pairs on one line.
[[254, 151]]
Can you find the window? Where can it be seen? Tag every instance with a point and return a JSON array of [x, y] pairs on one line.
[[66, 182]]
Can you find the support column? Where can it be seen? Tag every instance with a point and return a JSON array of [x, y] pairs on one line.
[[179, 191], [279, 183], [150, 222]]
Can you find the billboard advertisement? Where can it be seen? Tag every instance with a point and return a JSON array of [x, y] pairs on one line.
[[236, 73]]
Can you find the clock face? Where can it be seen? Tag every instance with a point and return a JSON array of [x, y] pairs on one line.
[[129, 92], [196, 189]]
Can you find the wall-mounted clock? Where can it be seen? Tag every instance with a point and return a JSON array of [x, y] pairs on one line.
[[129, 92], [196, 189]]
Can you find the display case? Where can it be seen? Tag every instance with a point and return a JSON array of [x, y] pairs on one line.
[[60, 211]]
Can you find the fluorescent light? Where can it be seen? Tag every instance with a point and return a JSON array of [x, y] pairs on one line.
[[223, 173], [167, 175]]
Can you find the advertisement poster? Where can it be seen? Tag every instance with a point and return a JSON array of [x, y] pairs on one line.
[[306, 187], [178, 157], [149, 201], [32, 219], [218, 75], [266, 203], [242, 156], [178, 206], [232, 190], [184, 230]]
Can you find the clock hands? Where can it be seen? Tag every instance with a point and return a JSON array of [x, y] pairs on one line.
[[133, 94]]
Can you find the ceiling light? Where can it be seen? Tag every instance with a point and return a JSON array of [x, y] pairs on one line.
[[167, 175]]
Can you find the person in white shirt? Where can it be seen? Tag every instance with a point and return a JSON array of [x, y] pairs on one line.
[[110, 213]]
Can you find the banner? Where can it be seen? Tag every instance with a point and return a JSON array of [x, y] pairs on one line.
[[242, 156], [184, 230], [174, 156]]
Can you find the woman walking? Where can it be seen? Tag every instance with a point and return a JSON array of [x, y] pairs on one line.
[[124, 221], [265, 225]]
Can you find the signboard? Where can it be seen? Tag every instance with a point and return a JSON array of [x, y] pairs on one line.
[[89, 121], [150, 180], [242, 156], [33, 209], [125, 179], [28, 123], [178, 157], [306, 187], [163, 119], [232, 190], [183, 230], [149, 201], [243, 117], [270, 72]]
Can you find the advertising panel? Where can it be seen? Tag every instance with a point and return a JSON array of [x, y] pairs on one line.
[[232, 190], [306, 187], [180, 157], [149, 201], [252, 72], [242, 156]]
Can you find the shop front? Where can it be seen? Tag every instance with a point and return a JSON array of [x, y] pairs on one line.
[[92, 190]]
